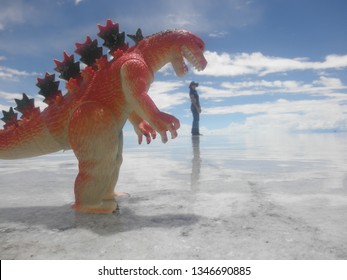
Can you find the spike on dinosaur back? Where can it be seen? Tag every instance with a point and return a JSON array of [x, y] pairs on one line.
[[101, 62], [26, 106], [89, 51], [137, 37], [10, 118], [67, 68], [49, 88], [87, 73], [72, 85], [113, 40]]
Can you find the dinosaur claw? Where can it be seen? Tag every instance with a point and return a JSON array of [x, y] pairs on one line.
[[139, 139], [174, 134], [164, 138]]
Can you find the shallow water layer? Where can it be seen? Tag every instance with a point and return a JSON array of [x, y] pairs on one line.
[[208, 197]]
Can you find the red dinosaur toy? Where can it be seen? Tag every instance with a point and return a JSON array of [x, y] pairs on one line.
[[89, 118]]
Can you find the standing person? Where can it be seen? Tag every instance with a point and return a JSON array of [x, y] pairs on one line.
[[195, 107]]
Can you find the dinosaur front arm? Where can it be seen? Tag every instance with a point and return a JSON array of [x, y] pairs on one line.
[[136, 78], [142, 128]]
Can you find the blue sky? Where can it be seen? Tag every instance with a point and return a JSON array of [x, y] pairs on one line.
[[273, 65]]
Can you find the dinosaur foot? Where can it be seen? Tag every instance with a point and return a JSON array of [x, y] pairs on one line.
[[118, 196], [105, 207], [121, 195]]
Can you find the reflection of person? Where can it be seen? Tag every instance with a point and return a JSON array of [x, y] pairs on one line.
[[196, 163], [195, 107]]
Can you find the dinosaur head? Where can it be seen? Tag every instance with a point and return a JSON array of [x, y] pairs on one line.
[[191, 48], [174, 47]]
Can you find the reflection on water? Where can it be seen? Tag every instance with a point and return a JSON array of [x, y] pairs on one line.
[[196, 162], [252, 196], [318, 161]]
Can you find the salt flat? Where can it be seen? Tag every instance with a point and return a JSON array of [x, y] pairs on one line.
[[208, 197]]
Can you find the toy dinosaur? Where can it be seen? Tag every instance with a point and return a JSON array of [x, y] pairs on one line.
[[100, 98]]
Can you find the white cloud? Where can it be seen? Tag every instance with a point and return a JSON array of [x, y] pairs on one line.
[[227, 65], [285, 115], [329, 82], [324, 86], [7, 73], [9, 95], [280, 106], [16, 12], [196, 16], [218, 34], [166, 94]]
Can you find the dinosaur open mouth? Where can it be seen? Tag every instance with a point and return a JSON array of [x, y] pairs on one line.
[[189, 55]]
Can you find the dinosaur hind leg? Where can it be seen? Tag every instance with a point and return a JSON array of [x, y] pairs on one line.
[[110, 194], [94, 137]]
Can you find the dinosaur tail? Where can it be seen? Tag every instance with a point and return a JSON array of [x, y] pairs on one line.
[[27, 139]]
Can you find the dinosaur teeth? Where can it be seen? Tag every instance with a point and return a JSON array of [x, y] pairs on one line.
[[191, 58]]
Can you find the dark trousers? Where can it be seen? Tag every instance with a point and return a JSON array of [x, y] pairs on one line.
[[196, 119]]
